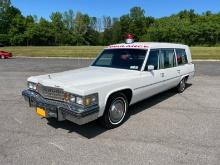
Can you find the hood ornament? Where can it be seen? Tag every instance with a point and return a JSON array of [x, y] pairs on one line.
[[49, 76]]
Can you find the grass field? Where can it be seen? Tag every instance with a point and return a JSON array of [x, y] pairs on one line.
[[205, 53], [92, 51], [55, 51]]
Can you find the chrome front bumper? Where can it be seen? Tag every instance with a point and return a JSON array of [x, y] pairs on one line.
[[61, 110]]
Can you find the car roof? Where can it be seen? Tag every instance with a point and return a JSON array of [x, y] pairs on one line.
[[146, 45]]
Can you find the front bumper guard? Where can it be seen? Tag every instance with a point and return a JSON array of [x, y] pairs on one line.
[[61, 110]]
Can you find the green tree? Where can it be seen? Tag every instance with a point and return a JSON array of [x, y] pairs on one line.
[[57, 27], [40, 33], [81, 27], [4, 5], [17, 27], [107, 22], [137, 21], [94, 23], [68, 19], [125, 23]]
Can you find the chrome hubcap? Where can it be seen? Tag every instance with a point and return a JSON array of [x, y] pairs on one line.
[[182, 85], [117, 111]]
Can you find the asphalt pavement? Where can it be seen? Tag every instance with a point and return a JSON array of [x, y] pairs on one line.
[[168, 128]]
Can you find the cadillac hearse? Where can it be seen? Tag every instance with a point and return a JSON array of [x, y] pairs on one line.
[[123, 74]]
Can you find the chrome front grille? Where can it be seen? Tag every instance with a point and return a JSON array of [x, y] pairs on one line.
[[51, 93]]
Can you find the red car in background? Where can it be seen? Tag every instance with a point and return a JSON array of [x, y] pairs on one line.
[[4, 54]]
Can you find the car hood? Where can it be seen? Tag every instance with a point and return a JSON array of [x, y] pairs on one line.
[[84, 78]]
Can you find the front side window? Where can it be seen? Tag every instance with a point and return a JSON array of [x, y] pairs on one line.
[[131, 59], [181, 56], [167, 58], [153, 59]]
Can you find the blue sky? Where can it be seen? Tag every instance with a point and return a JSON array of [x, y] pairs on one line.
[[114, 8]]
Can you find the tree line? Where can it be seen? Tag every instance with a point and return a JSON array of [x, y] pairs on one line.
[[71, 28]]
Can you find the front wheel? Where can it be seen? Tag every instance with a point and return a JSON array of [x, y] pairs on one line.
[[115, 112], [181, 86]]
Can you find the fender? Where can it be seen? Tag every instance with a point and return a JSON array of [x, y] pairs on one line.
[[114, 91]]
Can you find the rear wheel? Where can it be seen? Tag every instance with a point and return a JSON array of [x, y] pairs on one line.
[[2, 57], [181, 86], [115, 112]]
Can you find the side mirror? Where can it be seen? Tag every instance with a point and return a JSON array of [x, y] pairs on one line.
[[150, 68]]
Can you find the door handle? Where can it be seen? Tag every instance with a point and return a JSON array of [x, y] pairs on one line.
[[162, 74], [178, 71]]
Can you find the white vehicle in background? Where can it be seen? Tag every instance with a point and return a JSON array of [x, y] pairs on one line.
[[120, 76]]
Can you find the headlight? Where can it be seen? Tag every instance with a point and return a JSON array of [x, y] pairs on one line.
[[90, 100], [32, 85], [85, 101]]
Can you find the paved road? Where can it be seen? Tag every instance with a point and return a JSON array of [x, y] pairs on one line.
[[167, 129]]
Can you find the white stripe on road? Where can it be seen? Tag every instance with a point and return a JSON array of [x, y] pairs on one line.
[[20, 122], [57, 146]]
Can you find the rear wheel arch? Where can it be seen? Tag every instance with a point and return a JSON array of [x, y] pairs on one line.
[[185, 77]]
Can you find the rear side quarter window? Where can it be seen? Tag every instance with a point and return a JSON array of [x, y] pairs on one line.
[[167, 58], [181, 56]]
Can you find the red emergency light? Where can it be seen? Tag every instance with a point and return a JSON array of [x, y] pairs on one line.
[[129, 38]]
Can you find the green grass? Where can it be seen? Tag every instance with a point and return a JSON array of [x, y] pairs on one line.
[[205, 52], [55, 51], [92, 51]]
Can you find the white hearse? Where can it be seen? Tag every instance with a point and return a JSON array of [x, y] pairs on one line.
[[120, 76]]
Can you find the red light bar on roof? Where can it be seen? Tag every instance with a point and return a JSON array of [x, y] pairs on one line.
[[129, 38]]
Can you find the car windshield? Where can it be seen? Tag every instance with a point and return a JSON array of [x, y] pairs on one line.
[[131, 59]]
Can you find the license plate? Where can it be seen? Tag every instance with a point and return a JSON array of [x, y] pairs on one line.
[[41, 111]]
